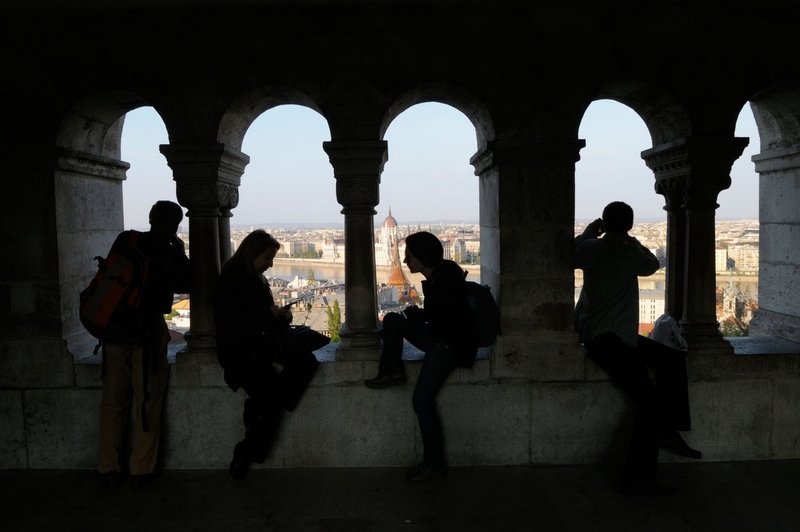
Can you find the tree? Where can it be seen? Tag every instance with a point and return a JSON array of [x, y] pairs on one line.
[[730, 326], [311, 279], [334, 320]]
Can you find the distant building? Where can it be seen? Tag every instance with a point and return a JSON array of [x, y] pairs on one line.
[[298, 249], [651, 306], [721, 259], [182, 320], [387, 243], [333, 250], [744, 256]]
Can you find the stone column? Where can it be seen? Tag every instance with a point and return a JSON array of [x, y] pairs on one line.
[[527, 218], [230, 199], [707, 164], [204, 175], [671, 176], [779, 234], [357, 166]]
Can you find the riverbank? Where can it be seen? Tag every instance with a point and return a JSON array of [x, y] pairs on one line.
[[283, 261]]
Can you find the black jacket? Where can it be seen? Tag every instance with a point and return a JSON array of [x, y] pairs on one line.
[[448, 313], [245, 325]]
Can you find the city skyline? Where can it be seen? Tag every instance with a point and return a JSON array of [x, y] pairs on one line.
[[289, 179]]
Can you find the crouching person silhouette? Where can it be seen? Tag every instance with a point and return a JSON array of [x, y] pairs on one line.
[[445, 329], [607, 318], [251, 331]]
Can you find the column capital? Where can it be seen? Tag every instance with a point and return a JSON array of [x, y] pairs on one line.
[[356, 157], [777, 160], [207, 175], [702, 163], [499, 152], [91, 165], [673, 189], [357, 167]]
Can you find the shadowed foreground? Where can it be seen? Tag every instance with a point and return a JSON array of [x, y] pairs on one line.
[[721, 496]]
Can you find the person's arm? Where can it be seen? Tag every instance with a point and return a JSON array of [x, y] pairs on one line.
[[592, 231], [648, 264], [413, 312], [582, 257]]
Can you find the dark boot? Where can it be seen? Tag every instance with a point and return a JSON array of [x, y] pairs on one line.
[[675, 444], [386, 378], [240, 463]]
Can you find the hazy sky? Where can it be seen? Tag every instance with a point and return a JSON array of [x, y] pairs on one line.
[[427, 177]]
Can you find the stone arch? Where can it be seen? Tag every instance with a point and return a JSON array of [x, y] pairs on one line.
[[666, 119], [478, 115], [461, 99], [246, 108], [776, 111], [93, 124], [88, 210], [777, 114]]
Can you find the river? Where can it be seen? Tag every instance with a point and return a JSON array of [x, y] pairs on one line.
[[326, 271]]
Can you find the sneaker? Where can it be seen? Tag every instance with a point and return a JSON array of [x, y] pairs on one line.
[[675, 444], [424, 472], [387, 378]]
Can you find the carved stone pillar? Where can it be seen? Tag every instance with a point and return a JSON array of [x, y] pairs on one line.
[[779, 234], [671, 176], [357, 166], [205, 176], [527, 218], [229, 199], [706, 163]]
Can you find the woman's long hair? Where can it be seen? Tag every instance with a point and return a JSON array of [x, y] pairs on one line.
[[254, 244]]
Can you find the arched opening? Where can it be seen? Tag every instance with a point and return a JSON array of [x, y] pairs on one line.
[[737, 237], [149, 179], [611, 169], [428, 184], [89, 201], [288, 190]]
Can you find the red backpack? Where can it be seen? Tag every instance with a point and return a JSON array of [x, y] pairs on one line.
[[119, 280]]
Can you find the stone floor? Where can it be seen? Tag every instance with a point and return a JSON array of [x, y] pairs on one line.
[[722, 496]]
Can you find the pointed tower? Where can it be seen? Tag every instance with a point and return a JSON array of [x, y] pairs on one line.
[[397, 278]]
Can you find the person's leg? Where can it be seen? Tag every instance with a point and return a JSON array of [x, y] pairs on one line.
[[115, 406], [262, 414], [439, 362], [672, 388], [628, 372], [392, 336], [144, 456], [396, 328], [672, 392], [298, 370], [149, 392]]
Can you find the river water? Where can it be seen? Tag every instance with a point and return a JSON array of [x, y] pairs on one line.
[[288, 269]]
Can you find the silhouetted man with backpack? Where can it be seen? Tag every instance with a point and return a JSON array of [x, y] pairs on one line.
[[135, 345]]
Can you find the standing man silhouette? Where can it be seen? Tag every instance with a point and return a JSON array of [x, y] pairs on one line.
[[135, 349], [607, 318]]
